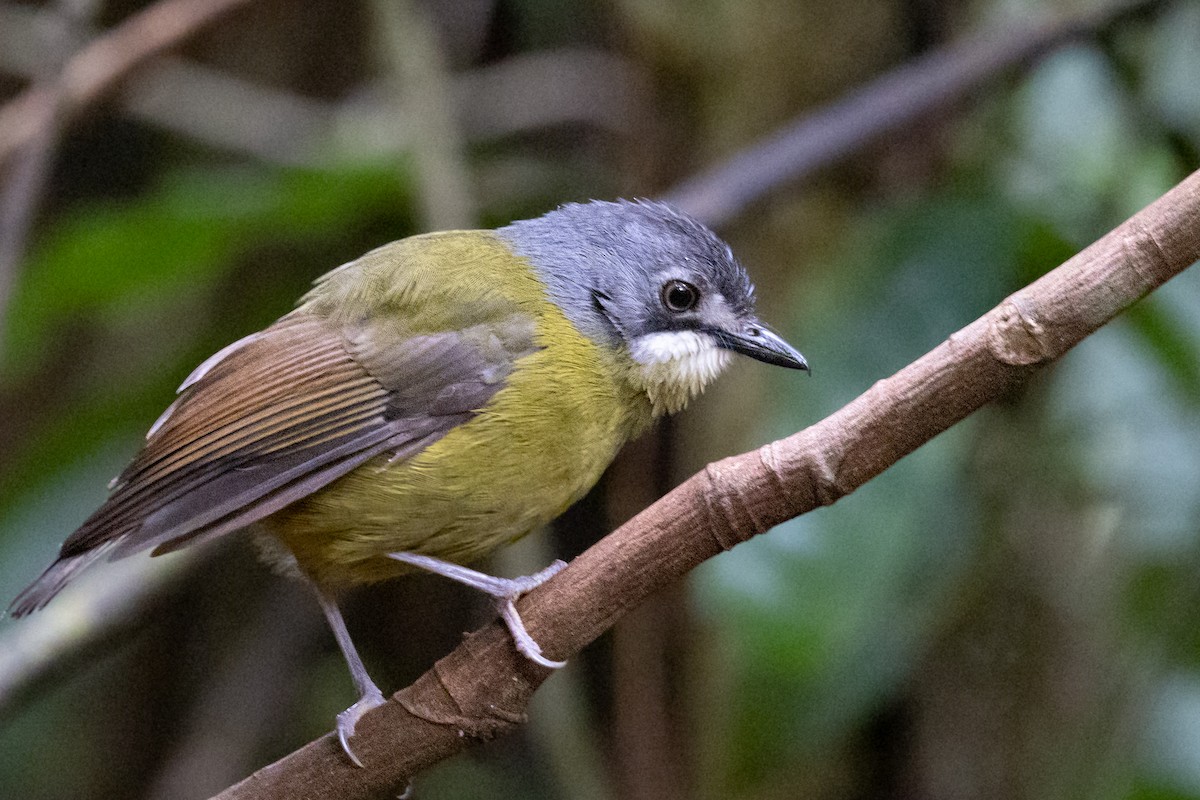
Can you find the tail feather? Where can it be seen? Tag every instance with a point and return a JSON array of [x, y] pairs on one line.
[[37, 594]]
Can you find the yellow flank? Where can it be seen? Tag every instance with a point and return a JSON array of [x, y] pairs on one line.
[[541, 442]]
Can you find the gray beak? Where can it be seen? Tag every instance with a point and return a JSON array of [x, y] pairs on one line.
[[761, 343]]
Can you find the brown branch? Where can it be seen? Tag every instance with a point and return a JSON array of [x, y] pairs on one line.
[[481, 689], [523, 92], [284, 771], [35, 119], [98, 69], [23, 192], [898, 100]]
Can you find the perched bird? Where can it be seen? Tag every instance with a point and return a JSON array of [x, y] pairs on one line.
[[438, 397]]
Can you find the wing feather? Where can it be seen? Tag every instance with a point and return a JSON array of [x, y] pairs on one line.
[[280, 414], [283, 411]]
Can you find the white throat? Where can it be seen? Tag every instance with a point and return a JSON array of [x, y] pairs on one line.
[[675, 366]]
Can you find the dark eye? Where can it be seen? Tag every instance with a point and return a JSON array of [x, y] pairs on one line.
[[680, 296]]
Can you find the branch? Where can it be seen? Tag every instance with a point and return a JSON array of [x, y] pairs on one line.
[[98, 69], [523, 92], [894, 102], [29, 671], [480, 690], [421, 93], [543, 89], [36, 118], [483, 90], [23, 192]]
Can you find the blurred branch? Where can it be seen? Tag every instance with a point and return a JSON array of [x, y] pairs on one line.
[[555, 88], [100, 67], [481, 689], [563, 723], [23, 191], [34, 118], [898, 100], [22, 194], [184, 97], [649, 741], [223, 110], [421, 89], [260, 671], [529, 91]]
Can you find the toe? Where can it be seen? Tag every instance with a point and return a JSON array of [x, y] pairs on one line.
[[525, 643], [515, 587], [348, 720]]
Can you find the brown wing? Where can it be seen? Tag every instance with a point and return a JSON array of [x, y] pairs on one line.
[[277, 416]]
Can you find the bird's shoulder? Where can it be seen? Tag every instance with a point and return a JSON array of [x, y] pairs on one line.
[[445, 281]]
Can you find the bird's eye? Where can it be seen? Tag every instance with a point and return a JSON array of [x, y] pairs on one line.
[[680, 296]]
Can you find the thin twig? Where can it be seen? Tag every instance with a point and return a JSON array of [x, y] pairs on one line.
[[22, 196], [481, 690], [896, 101], [275, 126], [38, 115], [23, 191], [422, 86], [100, 67]]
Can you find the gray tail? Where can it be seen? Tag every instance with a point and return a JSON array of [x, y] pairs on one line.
[[51, 582]]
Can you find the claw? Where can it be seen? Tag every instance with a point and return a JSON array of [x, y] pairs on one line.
[[347, 720], [526, 645]]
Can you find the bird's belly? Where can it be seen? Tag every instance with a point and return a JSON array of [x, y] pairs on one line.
[[486, 483]]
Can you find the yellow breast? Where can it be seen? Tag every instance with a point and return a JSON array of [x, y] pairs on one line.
[[540, 443]]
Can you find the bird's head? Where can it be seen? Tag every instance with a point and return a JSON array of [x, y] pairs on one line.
[[654, 284]]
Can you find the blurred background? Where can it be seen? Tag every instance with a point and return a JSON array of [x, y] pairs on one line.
[[1008, 613]]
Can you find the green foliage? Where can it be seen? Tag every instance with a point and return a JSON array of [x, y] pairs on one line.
[[181, 238], [1171, 343], [829, 616]]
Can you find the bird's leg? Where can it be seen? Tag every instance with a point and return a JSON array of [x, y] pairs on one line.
[[505, 590], [369, 695]]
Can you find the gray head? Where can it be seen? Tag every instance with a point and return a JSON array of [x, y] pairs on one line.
[[647, 278]]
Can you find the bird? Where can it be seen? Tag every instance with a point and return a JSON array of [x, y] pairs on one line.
[[432, 400]]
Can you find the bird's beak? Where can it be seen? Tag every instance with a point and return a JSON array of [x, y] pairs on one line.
[[756, 340]]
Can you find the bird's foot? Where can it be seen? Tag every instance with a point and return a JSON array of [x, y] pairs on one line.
[[505, 590], [524, 642], [527, 583], [346, 720]]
